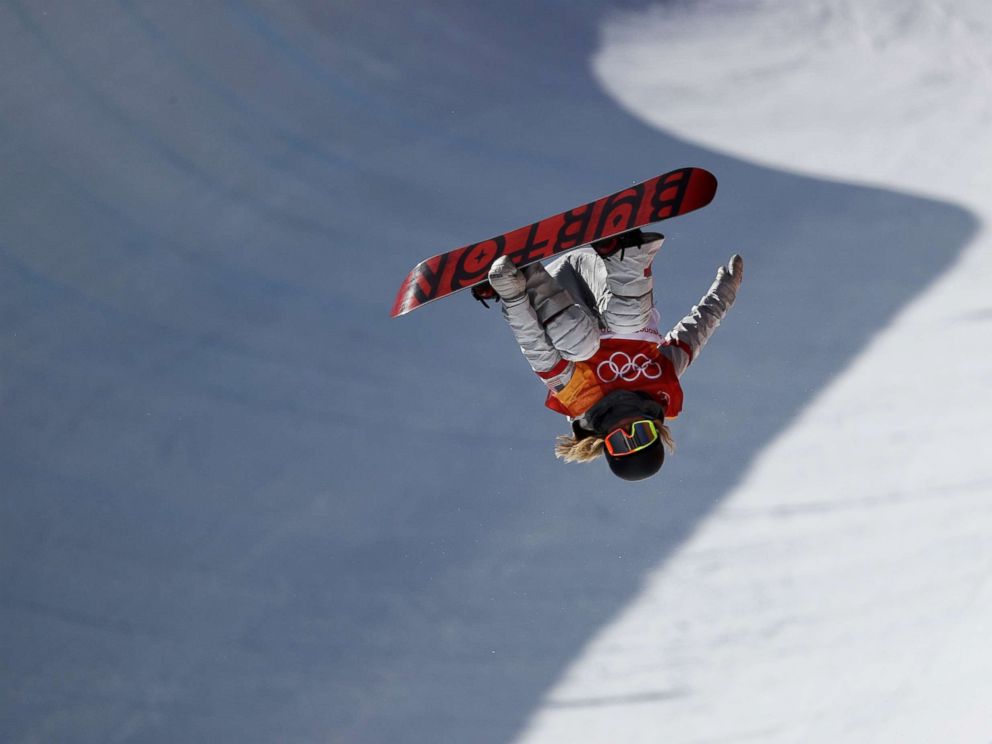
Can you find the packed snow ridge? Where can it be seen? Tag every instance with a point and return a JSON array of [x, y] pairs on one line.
[[843, 591]]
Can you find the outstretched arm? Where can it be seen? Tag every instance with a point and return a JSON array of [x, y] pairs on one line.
[[684, 342]]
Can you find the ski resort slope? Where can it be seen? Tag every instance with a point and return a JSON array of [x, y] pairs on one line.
[[240, 504], [842, 592]]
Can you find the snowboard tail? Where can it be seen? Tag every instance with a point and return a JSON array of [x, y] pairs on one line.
[[660, 198]]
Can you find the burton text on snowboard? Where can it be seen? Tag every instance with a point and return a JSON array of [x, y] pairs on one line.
[[656, 199]]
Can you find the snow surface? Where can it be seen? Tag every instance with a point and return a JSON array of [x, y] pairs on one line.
[[843, 590], [239, 503]]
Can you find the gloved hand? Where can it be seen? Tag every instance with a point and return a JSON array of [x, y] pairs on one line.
[[728, 279], [734, 270], [508, 281]]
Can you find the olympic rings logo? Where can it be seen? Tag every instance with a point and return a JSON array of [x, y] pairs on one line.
[[621, 367]]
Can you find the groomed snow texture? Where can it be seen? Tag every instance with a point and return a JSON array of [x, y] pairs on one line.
[[239, 503]]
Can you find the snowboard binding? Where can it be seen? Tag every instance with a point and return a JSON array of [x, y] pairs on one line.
[[483, 292], [620, 243], [604, 248]]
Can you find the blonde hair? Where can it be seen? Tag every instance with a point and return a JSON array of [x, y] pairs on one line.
[[587, 449]]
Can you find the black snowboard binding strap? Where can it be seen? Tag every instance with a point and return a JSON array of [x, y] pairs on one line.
[[483, 292], [620, 243]]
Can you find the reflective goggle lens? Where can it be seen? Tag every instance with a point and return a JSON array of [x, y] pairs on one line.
[[642, 434]]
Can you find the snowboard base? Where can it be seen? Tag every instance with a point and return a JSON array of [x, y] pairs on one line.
[[663, 197]]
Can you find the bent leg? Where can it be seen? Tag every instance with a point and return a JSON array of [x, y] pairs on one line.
[[537, 348], [583, 275], [571, 327], [627, 305], [511, 285]]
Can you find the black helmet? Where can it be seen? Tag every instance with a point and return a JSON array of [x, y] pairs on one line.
[[638, 465], [608, 413]]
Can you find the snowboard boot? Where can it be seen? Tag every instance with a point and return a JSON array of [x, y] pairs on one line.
[[505, 280]]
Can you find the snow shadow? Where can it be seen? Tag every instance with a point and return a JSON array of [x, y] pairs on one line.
[[239, 502]]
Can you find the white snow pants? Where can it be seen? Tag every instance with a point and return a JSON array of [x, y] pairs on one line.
[[570, 303]]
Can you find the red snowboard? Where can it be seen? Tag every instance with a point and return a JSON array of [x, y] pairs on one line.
[[657, 199]]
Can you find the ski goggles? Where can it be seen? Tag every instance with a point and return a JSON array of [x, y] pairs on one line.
[[641, 435]]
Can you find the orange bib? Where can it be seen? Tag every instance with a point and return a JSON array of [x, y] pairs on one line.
[[620, 364]]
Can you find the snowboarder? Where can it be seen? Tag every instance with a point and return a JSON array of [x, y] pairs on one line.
[[588, 327]]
